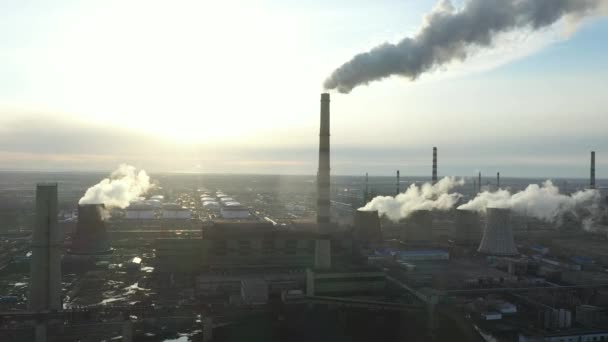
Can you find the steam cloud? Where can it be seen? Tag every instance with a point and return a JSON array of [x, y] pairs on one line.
[[123, 186], [451, 34], [542, 202], [425, 197]]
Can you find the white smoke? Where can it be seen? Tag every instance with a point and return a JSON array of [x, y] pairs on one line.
[[123, 186], [425, 197], [541, 202]]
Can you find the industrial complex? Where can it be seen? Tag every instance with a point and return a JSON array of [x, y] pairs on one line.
[[212, 259]]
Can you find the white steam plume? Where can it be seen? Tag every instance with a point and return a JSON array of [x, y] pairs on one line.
[[123, 186], [542, 202], [425, 197], [449, 34]]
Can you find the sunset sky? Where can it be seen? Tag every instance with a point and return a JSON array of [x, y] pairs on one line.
[[233, 86]]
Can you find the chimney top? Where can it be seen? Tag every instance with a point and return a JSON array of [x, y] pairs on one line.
[[325, 97]]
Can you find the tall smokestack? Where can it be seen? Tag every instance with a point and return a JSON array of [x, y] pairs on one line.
[[497, 180], [592, 176], [45, 268], [323, 215], [479, 181], [434, 165], [398, 186], [366, 193]]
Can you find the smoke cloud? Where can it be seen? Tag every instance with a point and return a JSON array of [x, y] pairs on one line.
[[542, 202], [425, 197], [449, 34], [123, 186]]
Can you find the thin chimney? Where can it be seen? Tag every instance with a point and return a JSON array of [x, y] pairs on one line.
[[366, 193], [497, 180], [434, 165], [479, 181], [323, 182], [398, 186], [592, 176]]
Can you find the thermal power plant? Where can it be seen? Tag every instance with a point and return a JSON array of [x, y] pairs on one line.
[[467, 228], [434, 165], [498, 234], [45, 267], [418, 228], [592, 172], [367, 226], [91, 237]]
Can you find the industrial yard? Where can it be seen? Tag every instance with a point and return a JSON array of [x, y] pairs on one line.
[[193, 257]]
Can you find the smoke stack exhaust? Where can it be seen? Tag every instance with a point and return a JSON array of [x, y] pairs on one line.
[[592, 175], [450, 33], [323, 214], [434, 165]]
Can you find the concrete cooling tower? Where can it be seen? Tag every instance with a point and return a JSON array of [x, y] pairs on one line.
[[91, 237], [467, 230], [418, 227], [498, 234], [367, 226]]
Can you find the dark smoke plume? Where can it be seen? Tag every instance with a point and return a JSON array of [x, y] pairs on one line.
[[449, 34]]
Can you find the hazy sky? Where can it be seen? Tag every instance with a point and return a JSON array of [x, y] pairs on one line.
[[233, 86]]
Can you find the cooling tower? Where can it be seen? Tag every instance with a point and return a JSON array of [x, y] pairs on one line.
[[367, 226], [45, 268], [467, 229], [91, 237], [498, 235], [418, 227], [323, 183]]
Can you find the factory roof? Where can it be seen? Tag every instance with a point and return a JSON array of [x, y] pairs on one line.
[[173, 206], [424, 252]]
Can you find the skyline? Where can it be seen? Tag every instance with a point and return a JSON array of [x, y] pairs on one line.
[[167, 104]]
